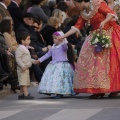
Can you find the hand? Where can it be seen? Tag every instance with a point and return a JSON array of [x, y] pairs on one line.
[[9, 53], [45, 49], [30, 47], [24, 69], [34, 56], [73, 46], [49, 47], [60, 38], [102, 24], [36, 62], [9, 49]]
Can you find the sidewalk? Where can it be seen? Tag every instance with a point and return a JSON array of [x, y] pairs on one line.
[[7, 90]]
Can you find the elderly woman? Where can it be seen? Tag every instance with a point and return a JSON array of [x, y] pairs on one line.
[[51, 27]]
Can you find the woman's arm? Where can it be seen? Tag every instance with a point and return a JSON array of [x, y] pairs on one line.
[[108, 18], [78, 26], [109, 13], [70, 32]]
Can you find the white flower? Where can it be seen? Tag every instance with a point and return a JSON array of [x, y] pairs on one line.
[[98, 35], [103, 36], [107, 45], [103, 41], [96, 40], [108, 37]]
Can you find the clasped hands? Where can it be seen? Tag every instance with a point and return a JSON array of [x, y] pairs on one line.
[[35, 62]]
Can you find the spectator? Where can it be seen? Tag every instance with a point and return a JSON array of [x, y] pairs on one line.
[[27, 26], [63, 7], [36, 10], [8, 66], [45, 8], [16, 13], [3, 8], [6, 28], [47, 32], [57, 13], [52, 6]]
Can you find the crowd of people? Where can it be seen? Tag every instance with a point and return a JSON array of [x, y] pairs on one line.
[[33, 47]]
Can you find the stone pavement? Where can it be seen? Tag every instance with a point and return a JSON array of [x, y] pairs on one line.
[[69, 108], [5, 92]]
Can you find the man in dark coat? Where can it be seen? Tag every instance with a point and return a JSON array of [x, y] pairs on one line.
[[16, 13]]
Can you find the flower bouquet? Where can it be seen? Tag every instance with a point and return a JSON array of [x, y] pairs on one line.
[[100, 40]]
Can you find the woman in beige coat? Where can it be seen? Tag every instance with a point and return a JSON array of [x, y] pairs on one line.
[[7, 30]]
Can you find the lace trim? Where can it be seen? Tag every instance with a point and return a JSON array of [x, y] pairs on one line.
[[76, 29], [96, 5]]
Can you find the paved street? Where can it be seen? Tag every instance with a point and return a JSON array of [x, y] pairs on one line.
[[68, 108]]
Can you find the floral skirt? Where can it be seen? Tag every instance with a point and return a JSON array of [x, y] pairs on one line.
[[99, 72], [57, 79]]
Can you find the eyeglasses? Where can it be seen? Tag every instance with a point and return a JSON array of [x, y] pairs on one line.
[[30, 18]]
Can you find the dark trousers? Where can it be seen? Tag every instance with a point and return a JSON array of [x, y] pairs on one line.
[[37, 72], [1, 69]]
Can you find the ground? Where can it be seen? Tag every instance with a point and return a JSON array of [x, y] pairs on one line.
[[69, 108]]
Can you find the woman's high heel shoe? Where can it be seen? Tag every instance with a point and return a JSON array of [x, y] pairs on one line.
[[113, 95], [95, 96]]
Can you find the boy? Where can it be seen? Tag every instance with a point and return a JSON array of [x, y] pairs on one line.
[[24, 62]]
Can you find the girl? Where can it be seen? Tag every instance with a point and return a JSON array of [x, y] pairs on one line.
[[58, 76]]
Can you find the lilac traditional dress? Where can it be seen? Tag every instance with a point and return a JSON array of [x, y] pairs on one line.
[[58, 76]]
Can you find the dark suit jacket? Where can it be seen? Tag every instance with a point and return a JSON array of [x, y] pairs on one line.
[[4, 12], [16, 14]]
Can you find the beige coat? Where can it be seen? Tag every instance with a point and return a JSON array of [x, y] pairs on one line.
[[23, 57], [10, 41], [4, 12]]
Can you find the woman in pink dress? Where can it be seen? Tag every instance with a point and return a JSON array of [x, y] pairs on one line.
[[97, 73]]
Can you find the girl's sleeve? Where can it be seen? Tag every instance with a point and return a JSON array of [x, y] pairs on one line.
[[104, 9], [80, 23], [46, 56], [64, 46]]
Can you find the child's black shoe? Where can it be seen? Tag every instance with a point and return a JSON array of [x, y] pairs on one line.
[[28, 97], [20, 97]]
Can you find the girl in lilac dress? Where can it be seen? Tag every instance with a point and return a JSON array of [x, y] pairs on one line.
[[58, 76]]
